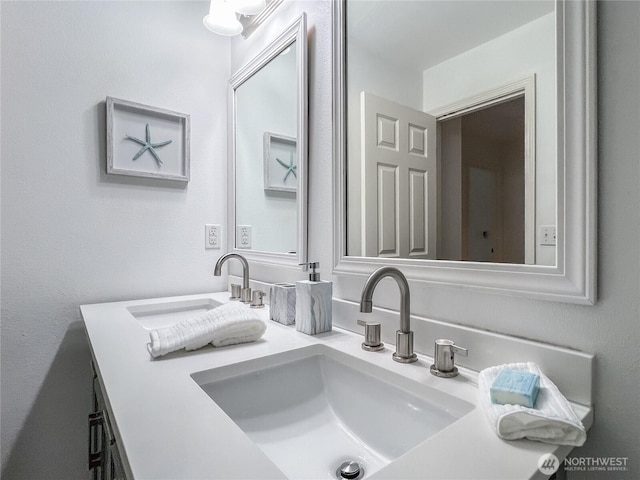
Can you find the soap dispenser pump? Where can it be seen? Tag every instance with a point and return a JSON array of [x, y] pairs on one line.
[[313, 303]]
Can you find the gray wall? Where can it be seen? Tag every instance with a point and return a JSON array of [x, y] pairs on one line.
[[44, 356], [73, 235]]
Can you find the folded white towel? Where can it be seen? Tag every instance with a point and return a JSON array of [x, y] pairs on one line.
[[551, 421], [227, 324]]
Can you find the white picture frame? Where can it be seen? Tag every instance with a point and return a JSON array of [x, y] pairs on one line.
[[146, 141], [280, 165]]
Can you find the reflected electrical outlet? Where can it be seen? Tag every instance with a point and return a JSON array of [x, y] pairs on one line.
[[243, 236], [547, 235]]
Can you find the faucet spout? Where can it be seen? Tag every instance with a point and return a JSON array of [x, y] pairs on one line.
[[217, 271], [404, 336]]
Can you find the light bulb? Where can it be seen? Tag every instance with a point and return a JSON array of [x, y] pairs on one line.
[[222, 19]]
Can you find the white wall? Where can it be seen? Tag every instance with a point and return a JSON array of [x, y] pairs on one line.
[[73, 235]]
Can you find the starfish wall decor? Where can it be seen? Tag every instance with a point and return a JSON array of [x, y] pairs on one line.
[[148, 146], [291, 168]]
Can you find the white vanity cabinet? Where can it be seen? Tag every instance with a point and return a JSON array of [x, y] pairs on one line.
[[105, 462]]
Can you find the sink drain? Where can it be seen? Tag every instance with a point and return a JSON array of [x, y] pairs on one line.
[[350, 470]]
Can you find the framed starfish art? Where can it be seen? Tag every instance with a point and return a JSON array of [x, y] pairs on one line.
[[280, 169], [145, 141]]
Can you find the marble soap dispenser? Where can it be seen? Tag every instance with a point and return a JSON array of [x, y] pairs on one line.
[[313, 303]]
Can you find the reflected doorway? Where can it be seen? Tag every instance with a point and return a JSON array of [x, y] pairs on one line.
[[482, 179]]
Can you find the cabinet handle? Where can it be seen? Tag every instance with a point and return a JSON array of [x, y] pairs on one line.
[[96, 440]]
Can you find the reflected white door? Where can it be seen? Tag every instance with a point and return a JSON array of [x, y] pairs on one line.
[[398, 180]]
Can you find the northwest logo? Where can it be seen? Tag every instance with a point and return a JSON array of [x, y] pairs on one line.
[[548, 464]]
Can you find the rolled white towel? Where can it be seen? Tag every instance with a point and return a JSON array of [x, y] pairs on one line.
[[227, 324], [551, 421]]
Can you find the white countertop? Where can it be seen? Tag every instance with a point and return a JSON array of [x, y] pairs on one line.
[[167, 427]]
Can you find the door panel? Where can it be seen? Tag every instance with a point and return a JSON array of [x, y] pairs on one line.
[[387, 206], [398, 180], [418, 181]]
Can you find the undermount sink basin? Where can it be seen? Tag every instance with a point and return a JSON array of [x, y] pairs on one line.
[[159, 315], [312, 409]]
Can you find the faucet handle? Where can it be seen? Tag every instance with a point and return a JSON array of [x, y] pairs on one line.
[[459, 350], [443, 358], [256, 299], [372, 341], [235, 291]]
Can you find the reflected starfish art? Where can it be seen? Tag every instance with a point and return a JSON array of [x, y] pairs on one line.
[[291, 168], [148, 146]]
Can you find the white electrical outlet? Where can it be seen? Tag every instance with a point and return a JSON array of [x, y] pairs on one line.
[[243, 236], [547, 235], [211, 236]]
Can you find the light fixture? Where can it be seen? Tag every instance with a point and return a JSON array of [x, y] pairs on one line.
[[222, 19], [223, 15]]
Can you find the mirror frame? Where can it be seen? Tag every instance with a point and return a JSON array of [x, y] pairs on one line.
[[295, 33], [573, 278]]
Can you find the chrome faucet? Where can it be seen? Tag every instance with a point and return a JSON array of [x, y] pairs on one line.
[[404, 336], [245, 293]]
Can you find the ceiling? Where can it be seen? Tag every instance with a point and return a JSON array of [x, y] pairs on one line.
[[417, 34]]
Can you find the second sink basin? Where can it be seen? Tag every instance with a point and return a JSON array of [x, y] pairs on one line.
[[160, 315], [313, 409]]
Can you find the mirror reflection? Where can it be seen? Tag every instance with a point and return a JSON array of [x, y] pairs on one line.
[[266, 157], [451, 130]]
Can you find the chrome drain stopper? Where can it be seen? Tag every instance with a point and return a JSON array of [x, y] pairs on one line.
[[350, 470]]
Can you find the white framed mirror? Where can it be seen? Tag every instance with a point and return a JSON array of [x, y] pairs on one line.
[[400, 112], [268, 108]]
